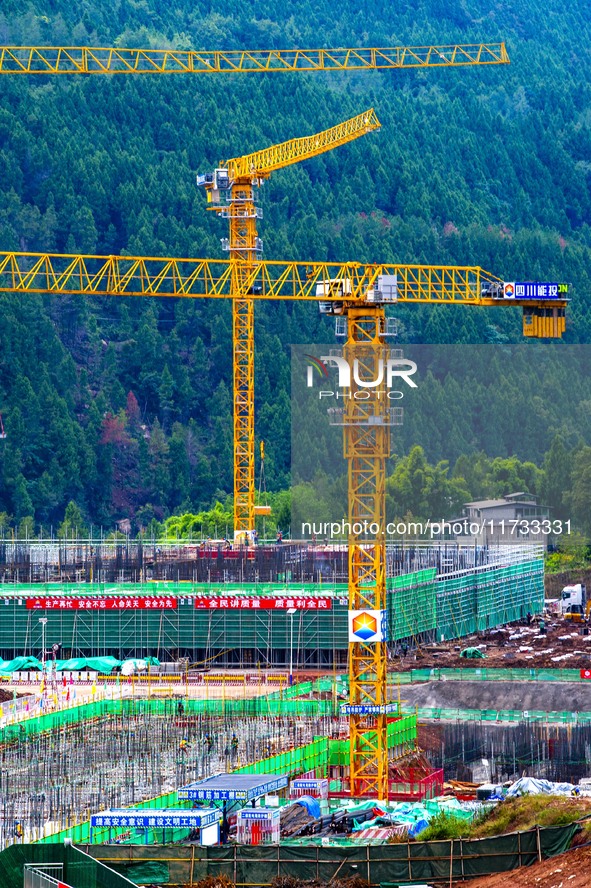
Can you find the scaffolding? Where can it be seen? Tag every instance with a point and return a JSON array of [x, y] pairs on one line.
[[121, 753], [487, 597], [219, 622], [213, 561], [413, 605], [58, 770]]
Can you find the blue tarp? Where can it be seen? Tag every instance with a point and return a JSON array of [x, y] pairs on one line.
[[311, 805], [533, 786], [418, 827]]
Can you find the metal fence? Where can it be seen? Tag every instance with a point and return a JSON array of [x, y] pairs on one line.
[[45, 875], [484, 674]]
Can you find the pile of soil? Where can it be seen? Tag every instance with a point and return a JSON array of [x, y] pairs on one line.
[[569, 870]]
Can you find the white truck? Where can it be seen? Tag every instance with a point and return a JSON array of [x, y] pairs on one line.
[[573, 602]]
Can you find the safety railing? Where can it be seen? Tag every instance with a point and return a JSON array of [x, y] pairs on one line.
[[417, 790], [44, 875], [515, 716]]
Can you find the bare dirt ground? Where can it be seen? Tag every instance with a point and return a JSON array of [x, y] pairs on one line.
[[569, 870], [524, 696], [562, 646]]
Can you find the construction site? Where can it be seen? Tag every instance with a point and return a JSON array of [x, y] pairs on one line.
[[256, 608], [219, 692], [178, 711]]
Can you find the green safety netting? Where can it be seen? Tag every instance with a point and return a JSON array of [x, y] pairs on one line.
[[80, 870], [290, 705], [516, 716], [386, 865], [485, 674], [391, 865], [421, 605], [491, 597], [412, 604], [147, 873]]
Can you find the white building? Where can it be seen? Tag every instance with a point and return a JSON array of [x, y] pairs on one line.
[[515, 518]]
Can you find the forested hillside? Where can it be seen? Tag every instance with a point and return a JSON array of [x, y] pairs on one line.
[[124, 406]]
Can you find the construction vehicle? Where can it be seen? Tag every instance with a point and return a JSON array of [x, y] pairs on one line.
[[573, 603], [577, 616]]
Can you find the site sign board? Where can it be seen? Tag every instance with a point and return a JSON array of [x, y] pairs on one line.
[[256, 603], [108, 603], [534, 290]]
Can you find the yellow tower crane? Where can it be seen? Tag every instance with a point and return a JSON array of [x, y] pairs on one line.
[[237, 180], [243, 242], [357, 291], [360, 292]]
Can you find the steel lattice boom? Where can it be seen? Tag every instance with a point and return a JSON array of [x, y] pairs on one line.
[[76, 273], [24, 272], [262, 163], [104, 60], [194, 278]]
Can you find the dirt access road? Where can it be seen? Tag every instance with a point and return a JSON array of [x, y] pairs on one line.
[[569, 870]]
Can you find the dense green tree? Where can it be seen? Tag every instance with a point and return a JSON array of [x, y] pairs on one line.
[[579, 497], [73, 525], [22, 503], [166, 397], [481, 166], [557, 478], [420, 490]]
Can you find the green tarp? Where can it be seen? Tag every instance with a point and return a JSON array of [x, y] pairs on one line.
[[404, 862], [473, 654], [80, 870], [102, 665], [148, 873], [19, 664]]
